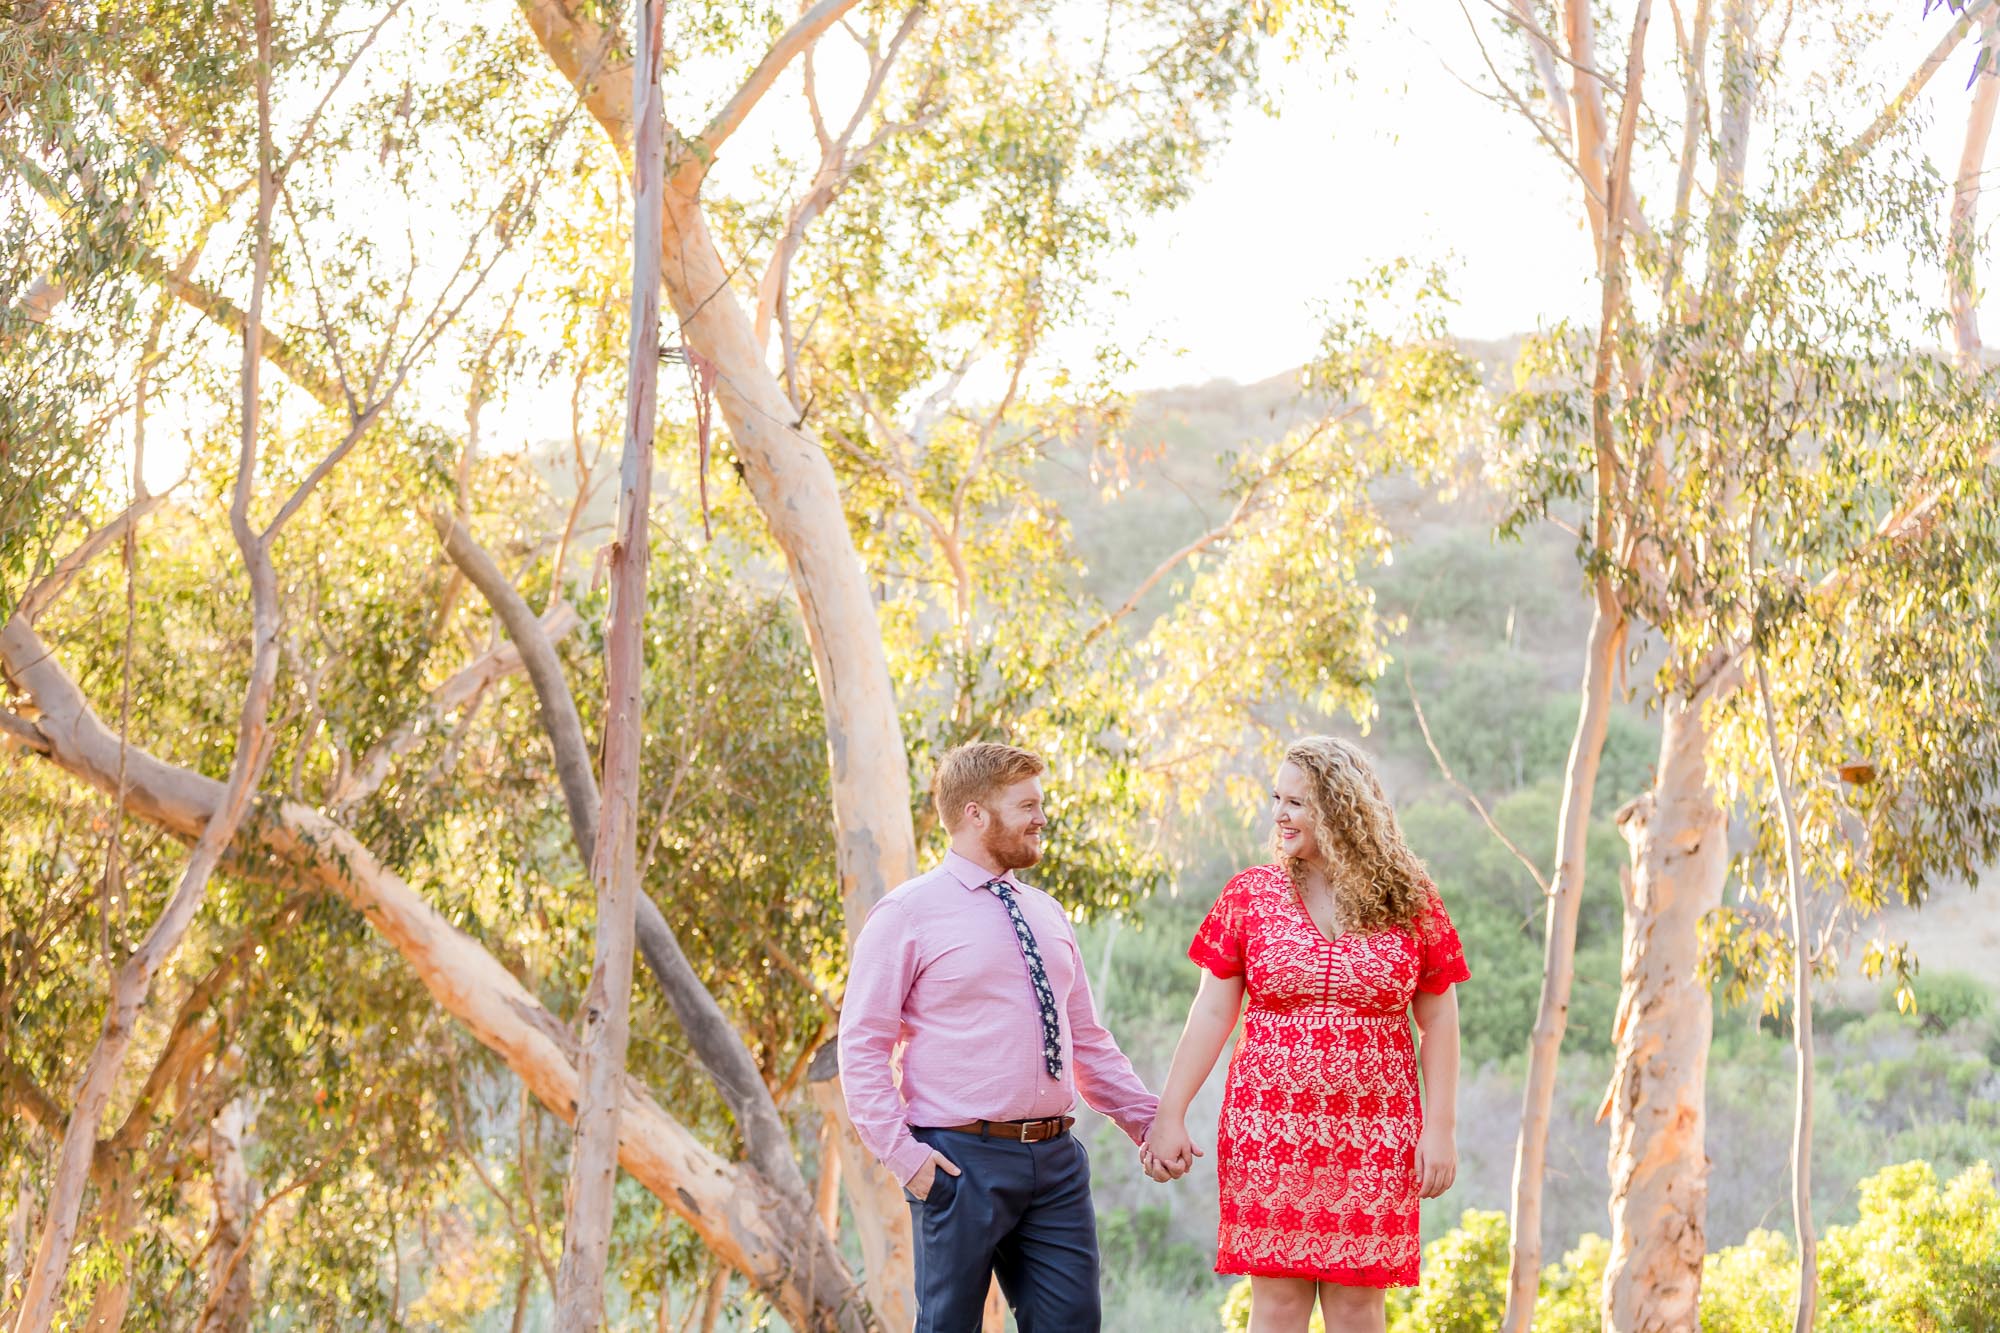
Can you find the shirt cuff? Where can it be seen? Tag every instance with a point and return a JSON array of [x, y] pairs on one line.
[[907, 1159], [1137, 1120]]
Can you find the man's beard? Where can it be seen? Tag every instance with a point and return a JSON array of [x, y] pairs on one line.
[[1009, 849]]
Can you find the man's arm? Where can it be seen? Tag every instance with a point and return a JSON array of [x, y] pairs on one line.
[[871, 1019], [1104, 1077]]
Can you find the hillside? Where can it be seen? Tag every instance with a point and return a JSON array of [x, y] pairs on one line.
[[1495, 633]]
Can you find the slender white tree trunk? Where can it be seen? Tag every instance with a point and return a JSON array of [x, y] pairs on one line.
[[607, 1004], [1586, 751], [1802, 1027], [1658, 1163]]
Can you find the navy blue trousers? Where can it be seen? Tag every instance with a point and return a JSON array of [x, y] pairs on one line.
[[1020, 1212]]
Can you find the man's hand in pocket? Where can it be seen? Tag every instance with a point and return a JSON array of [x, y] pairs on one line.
[[920, 1183]]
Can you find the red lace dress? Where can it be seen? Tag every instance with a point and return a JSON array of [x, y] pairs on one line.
[[1316, 1153]]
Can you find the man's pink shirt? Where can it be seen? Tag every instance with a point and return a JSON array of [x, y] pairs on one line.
[[939, 990]]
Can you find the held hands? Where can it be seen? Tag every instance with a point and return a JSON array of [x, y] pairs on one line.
[[920, 1184], [1168, 1152], [1437, 1161]]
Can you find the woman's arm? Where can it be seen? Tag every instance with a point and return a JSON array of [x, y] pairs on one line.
[[1437, 1057], [1211, 1018]]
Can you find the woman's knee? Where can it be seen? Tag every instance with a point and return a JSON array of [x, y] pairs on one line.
[[1352, 1307], [1280, 1302]]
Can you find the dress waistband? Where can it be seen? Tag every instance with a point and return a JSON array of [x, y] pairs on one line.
[[1325, 1018]]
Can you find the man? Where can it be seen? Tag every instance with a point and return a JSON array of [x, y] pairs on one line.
[[975, 980]]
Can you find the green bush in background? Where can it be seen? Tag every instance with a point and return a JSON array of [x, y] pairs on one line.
[[1920, 1259]]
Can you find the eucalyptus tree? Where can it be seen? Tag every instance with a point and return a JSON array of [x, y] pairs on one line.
[[415, 783], [374, 696], [1757, 409], [1075, 127]]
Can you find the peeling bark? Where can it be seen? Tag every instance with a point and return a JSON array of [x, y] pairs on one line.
[[1677, 835], [235, 1194]]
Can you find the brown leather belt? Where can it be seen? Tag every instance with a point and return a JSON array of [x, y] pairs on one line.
[[1024, 1131]]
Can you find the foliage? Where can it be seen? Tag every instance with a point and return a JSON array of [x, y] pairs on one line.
[[1945, 1000], [1920, 1259], [1497, 908], [1752, 1287], [1459, 1293], [1807, 483]]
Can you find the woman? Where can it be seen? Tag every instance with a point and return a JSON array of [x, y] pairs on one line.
[[1324, 1147]]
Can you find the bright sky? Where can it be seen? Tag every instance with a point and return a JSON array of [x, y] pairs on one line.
[[1399, 160], [1402, 159]]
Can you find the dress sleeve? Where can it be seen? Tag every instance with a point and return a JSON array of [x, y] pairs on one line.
[[1219, 943], [1440, 956]]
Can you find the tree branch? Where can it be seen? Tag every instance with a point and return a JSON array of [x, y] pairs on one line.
[[801, 35], [1887, 120], [766, 1141], [744, 1218], [43, 594], [463, 685]]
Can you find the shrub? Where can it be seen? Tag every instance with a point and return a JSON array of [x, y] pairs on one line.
[[1947, 999], [1465, 1280], [1920, 1259], [1571, 1289], [1750, 1288]]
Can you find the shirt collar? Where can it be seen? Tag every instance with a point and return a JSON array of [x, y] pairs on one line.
[[970, 874]]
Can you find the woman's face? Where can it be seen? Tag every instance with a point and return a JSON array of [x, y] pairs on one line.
[[1291, 817]]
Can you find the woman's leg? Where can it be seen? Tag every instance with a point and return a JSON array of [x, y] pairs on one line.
[[1281, 1304], [1354, 1309]]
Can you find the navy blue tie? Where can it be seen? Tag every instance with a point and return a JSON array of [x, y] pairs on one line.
[[1045, 999]]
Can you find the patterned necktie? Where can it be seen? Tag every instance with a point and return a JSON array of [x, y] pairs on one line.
[[1045, 999]]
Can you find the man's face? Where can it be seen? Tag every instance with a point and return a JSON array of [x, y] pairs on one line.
[[1011, 823]]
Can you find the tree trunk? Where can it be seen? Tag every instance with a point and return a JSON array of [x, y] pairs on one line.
[[794, 487], [1802, 1029], [1524, 1258], [1658, 1164], [235, 1192], [606, 1013], [737, 1216], [793, 484], [1964, 293]]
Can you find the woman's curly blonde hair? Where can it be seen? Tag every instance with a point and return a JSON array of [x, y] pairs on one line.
[[1377, 880]]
